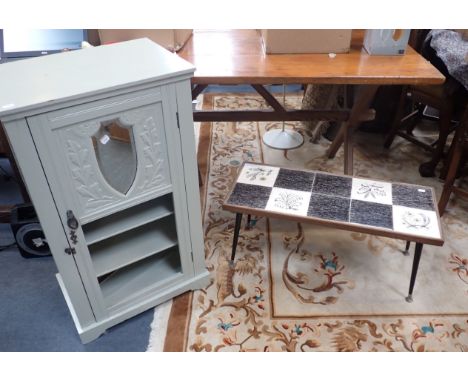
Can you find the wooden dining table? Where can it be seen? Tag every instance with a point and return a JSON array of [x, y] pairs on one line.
[[237, 57]]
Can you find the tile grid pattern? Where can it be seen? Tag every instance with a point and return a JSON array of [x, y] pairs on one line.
[[401, 208]]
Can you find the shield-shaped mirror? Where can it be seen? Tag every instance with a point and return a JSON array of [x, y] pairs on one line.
[[116, 155]]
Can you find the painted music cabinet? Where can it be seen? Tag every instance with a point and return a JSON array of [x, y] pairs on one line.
[[105, 143]]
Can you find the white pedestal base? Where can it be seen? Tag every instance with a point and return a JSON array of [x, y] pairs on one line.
[[283, 139]]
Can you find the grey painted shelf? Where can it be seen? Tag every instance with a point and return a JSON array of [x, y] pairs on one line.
[[133, 245], [130, 281], [130, 218]]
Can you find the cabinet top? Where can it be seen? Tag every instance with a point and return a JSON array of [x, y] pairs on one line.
[[44, 81]]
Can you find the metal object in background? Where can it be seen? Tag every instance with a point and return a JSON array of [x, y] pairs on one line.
[[28, 232], [283, 139]]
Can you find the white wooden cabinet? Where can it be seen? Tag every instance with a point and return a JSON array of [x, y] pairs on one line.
[[104, 140]]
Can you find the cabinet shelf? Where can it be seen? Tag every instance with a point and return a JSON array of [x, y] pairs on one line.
[[127, 219], [131, 246], [135, 279]]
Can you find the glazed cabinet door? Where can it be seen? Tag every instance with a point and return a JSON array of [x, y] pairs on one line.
[[106, 155], [113, 167]]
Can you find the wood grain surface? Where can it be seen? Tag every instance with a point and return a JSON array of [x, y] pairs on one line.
[[231, 57]]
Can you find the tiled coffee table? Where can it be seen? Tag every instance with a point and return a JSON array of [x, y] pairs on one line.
[[397, 210]]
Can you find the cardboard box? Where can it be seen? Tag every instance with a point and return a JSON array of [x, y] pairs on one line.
[[463, 33], [306, 40], [171, 39], [386, 42]]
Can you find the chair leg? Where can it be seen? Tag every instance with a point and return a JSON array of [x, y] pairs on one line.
[[457, 152], [414, 118], [445, 169], [427, 169], [451, 176], [397, 121]]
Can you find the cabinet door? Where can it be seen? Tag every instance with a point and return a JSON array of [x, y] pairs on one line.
[[72, 144], [104, 156]]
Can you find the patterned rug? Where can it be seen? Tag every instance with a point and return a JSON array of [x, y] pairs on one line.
[[301, 287]]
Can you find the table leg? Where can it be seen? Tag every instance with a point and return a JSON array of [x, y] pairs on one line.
[[236, 235], [406, 251], [249, 219], [414, 271], [197, 90], [361, 105]]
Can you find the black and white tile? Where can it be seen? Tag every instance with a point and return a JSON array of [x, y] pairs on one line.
[[332, 185], [259, 175], [329, 207], [249, 195], [288, 201], [372, 214], [415, 221], [412, 196], [295, 180], [371, 191]]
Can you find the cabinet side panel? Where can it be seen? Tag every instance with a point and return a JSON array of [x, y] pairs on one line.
[[26, 156], [184, 104], [177, 177]]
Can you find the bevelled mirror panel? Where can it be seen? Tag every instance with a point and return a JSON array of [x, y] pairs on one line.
[[116, 155]]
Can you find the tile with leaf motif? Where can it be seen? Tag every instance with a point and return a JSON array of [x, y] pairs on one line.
[[415, 221], [288, 201], [371, 191], [258, 174]]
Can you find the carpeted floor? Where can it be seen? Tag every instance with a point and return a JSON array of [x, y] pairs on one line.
[[34, 316], [300, 287]]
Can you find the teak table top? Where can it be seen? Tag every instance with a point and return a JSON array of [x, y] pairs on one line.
[[397, 210], [230, 57]]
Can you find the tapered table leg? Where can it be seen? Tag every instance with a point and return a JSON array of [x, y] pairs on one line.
[[236, 235], [406, 251], [414, 271]]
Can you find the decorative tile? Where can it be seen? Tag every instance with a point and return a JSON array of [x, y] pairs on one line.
[[329, 207], [259, 175], [332, 185], [249, 195], [288, 201], [371, 191], [372, 214], [412, 196], [415, 221], [295, 180]]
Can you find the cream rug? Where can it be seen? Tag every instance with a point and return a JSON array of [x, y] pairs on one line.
[[299, 287]]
